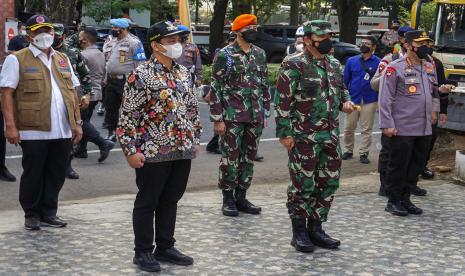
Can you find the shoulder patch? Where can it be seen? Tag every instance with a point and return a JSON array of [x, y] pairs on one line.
[[390, 71], [382, 66]]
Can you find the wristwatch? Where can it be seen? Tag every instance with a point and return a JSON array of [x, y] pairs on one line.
[[79, 122]]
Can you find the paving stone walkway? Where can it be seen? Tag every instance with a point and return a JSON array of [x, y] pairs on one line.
[[99, 238]]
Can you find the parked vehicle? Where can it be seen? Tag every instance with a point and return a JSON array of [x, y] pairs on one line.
[[274, 39]]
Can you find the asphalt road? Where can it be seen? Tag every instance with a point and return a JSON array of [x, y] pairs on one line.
[[115, 177]]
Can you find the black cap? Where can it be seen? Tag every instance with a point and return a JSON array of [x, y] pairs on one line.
[[417, 36], [162, 29], [38, 21]]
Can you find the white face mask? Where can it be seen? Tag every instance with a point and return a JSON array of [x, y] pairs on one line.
[[43, 41], [299, 47], [173, 51], [23, 32]]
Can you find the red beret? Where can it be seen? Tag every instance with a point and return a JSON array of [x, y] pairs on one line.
[[243, 20]]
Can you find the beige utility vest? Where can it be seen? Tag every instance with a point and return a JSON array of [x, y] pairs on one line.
[[33, 96]]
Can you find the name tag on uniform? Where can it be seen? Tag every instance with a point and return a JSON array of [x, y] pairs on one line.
[[31, 70], [122, 56], [367, 77]]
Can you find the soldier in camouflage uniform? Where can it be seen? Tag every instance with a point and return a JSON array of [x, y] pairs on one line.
[[309, 98], [240, 102], [72, 41], [79, 66]]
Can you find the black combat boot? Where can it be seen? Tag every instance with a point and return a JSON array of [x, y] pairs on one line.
[[300, 239], [244, 205], [319, 237], [229, 204], [382, 181]]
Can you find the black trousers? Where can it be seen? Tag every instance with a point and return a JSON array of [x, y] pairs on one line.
[[406, 161], [44, 164], [90, 133], [434, 136], [214, 143], [113, 96], [2, 142], [384, 154], [161, 186]]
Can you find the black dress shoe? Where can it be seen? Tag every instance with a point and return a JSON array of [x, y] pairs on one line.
[[71, 173], [229, 204], [319, 237], [259, 157], [300, 239], [347, 156], [172, 255], [146, 262], [411, 208], [53, 222], [396, 208], [6, 175], [32, 223], [244, 205], [417, 191], [427, 174], [105, 150], [364, 159]]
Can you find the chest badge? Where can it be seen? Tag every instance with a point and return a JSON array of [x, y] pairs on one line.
[[412, 88], [62, 63]]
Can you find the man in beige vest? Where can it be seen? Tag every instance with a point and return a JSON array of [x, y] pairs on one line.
[[41, 113]]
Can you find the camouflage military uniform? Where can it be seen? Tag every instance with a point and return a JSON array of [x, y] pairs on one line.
[[309, 97], [79, 66], [241, 99], [72, 41]]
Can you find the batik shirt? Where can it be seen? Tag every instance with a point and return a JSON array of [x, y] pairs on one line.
[[159, 115], [309, 98]]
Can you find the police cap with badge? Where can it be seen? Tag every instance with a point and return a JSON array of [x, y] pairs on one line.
[[162, 29]]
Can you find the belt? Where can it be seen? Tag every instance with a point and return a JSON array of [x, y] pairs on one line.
[[117, 77]]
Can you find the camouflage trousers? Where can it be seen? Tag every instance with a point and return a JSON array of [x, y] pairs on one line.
[[239, 146], [314, 169]]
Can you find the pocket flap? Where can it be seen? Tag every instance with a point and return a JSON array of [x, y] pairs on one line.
[[412, 80], [29, 106], [66, 75], [31, 91], [33, 76]]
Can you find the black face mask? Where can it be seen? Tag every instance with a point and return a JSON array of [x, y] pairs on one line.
[[430, 51], [249, 36], [115, 33], [422, 51], [365, 49], [324, 46]]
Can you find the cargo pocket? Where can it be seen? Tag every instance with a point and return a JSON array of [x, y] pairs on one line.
[[33, 81], [31, 95], [29, 114], [67, 77]]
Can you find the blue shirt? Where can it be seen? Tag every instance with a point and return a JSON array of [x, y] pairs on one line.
[[355, 79]]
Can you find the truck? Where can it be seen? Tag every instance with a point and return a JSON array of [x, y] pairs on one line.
[[448, 31]]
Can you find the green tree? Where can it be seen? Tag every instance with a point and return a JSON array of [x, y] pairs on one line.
[[348, 12], [102, 10]]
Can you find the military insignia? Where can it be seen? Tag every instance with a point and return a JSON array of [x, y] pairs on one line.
[[62, 63], [390, 71], [412, 88], [164, 94], [409, 70], [382, 67], [40, 19]]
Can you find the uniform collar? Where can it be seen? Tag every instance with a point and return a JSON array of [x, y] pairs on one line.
[[155, 62], [238, 48], [36, 51]]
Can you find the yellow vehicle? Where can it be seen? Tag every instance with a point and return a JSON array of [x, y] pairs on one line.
[[449, 35]]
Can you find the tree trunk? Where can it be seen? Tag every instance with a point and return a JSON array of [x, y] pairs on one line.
[[294, 14], [217, 25], [240, 7], [348, 12], [197, 7]]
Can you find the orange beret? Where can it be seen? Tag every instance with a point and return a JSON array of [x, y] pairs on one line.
[[243, 20]]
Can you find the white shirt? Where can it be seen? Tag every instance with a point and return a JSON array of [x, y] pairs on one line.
[[60, 127]]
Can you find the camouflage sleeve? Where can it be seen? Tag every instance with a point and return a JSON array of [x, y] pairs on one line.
[[217, 87], [284, 99], [198, 65], [84, 74], [132, 106], [339, 75], [193, 112], [266, 91]]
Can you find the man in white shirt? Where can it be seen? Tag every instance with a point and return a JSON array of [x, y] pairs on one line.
[[42, 115]]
